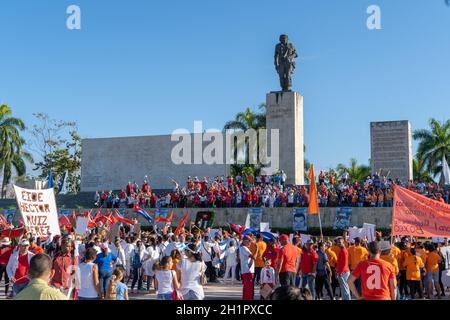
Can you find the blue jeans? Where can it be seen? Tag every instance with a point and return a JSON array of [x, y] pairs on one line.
[[307, 279], [18, 287], [191, 295], [104, 276], [345, 289], [166, 296]]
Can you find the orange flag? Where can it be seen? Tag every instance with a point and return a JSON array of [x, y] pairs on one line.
[[181, 224], [313, 207]]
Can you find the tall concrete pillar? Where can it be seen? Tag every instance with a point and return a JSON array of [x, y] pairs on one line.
[[285, 112]]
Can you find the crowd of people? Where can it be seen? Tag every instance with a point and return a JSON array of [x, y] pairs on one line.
[[267, 191], [178, 266]]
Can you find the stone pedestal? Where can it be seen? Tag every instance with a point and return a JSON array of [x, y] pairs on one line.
[[285, 112], [391, 149]]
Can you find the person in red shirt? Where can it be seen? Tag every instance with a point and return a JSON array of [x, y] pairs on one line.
[[287, 262], [18, 266], [63, 267], [377, 277], [5, 253], [308, 264], [34, 247], [342, 269]]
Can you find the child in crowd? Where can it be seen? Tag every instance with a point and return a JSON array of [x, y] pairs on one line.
[[166, 281], [268, 281], [117, 290]]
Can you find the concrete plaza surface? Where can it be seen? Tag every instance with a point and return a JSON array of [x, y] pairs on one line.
[[216, 291]]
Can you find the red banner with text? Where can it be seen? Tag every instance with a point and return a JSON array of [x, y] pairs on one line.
[[416, 215]]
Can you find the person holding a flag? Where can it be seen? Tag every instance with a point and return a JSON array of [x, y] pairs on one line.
[[5, 253], [18, 266]]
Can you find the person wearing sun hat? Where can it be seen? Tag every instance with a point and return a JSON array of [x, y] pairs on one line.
[[5, 253], [18, 266], [247, 268]]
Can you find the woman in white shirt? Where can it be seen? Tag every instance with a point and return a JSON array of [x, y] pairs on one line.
[[231, 262], [152, 256], [166, 280], [190, 271], [87, 277]]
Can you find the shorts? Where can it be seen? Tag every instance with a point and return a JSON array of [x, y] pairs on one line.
[[432, 276]]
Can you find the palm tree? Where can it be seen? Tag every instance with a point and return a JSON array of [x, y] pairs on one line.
[[419, 172], [433, 145], [357, 173], [11, 144], [244, 121]]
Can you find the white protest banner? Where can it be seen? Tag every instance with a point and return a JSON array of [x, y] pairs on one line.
[[370, 231], [82, 224], [356, 233], [38, 208], [305, 238], [264, 227]]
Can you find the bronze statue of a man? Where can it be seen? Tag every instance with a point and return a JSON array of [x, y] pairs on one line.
[[285, 54]]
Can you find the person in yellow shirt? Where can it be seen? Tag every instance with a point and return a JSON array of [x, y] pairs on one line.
[[261, 247], [413, 264], [404, 247], [356, 254], [335, 248], [432, 267]]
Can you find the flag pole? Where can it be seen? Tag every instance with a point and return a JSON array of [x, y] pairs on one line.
[[320, 226]]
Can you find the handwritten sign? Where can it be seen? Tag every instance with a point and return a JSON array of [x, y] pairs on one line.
[[416, 215], [38, 208]]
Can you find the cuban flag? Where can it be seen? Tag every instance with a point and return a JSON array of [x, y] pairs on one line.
[[50, 184], [143, 213], [62, 185], [223, 246]]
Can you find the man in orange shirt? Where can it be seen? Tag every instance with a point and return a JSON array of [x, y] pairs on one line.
[[386, 255], [332, 260], [259, 262], [287, 262], [432, 267], [356, 254], [377, 277]]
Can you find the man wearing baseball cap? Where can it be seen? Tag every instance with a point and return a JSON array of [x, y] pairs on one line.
[[247, 260], [5, 253], [18, 266]]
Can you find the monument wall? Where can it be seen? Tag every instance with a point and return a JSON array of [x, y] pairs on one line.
[[285, 112], [391, 149], [277, 217], [109, 163]]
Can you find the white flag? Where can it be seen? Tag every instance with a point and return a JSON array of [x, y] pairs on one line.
[[247, 221], [445, 171]]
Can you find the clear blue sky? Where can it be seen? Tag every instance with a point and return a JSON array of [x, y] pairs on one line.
[[145, 67]]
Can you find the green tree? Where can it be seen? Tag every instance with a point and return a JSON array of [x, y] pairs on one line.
[[59, 147], [357, 173], [11, 147], [433, 145], [419, 171], [244, 121]]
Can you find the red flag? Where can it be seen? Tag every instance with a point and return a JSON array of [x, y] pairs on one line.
[[181, 224], [12, 233], [111, 219], [64, 221], [166, 220], [122, 219], [237, 228]]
